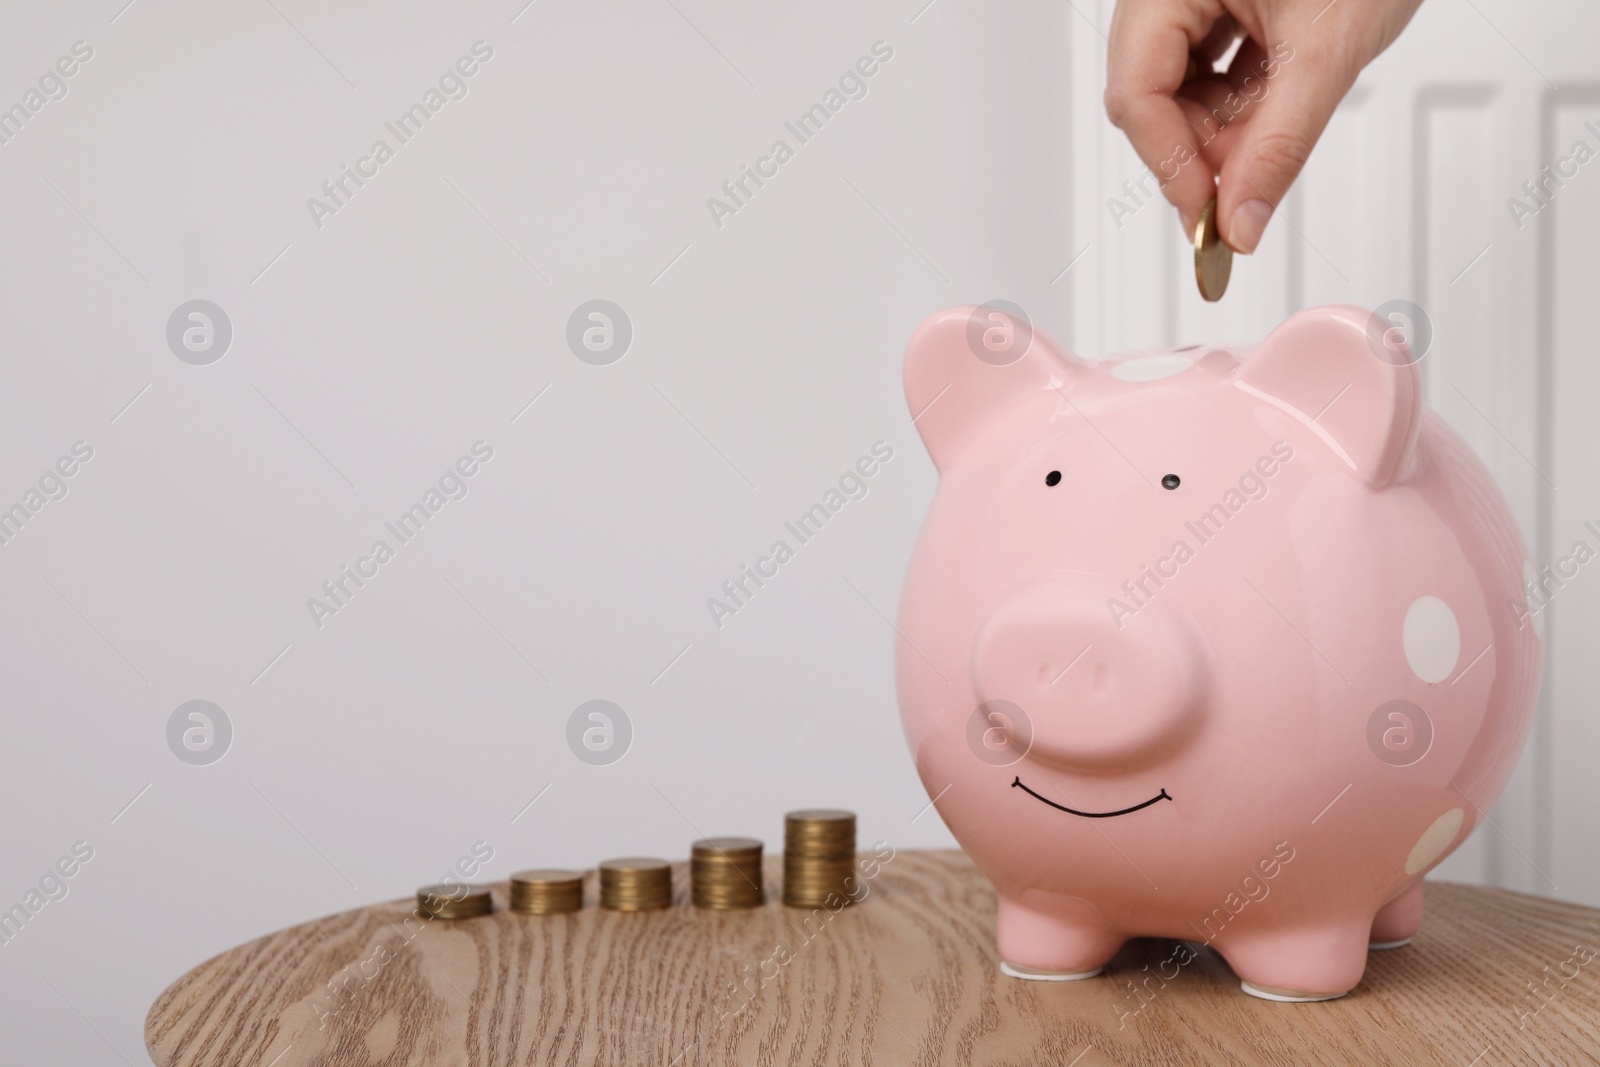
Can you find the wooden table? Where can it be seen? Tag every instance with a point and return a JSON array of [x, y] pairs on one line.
[[909, 976]]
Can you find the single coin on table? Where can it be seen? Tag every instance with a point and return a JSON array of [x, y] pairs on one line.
[[1213, 259]]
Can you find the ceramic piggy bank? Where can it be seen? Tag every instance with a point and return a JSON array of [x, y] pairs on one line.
[[1210, 643]]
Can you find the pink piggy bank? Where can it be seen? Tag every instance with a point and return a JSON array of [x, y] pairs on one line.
[[1209, 643]]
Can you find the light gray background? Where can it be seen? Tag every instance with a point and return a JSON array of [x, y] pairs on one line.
[[369, 754]]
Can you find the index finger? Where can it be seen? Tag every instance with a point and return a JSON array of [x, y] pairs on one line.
[[1147, 60]]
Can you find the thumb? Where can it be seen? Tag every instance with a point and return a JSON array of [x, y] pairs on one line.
[[1276, 141]]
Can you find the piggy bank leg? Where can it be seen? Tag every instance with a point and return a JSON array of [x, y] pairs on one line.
[[1052, 938], [1398, 921], [1300, 964]]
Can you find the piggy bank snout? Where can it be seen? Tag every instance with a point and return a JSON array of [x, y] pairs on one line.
[[1098, 697]]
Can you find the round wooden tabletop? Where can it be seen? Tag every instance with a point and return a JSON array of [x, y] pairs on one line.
[[909, 976]]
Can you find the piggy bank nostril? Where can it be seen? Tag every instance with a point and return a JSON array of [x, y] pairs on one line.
[[1102, 676]]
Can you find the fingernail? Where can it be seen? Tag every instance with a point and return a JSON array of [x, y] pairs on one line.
[[1249, 220], [1188, 222]]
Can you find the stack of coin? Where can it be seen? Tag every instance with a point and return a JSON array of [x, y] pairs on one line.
[[819, 853], [725, 873], [546, 892], [454, 901], [635, 884]]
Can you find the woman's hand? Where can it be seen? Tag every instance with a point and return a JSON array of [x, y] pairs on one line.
[[1240, 135]]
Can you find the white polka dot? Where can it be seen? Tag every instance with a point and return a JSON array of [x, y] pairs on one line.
[[1531, 577], [1151, 368], [1432, 639], [1435, 840]]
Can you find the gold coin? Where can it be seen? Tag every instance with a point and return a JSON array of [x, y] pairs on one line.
[[546, 892], [725, 873], [1213, 259], [546, 878], [819, 825], [819, 892], [725, 846], [819, 855], [635, 884], [454, 901], [822, 817], [820, 834]]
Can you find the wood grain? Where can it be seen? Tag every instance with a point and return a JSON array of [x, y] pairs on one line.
[[909, 976]]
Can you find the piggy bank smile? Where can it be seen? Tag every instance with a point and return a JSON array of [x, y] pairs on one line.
[[1173, 612], [1016, 783]]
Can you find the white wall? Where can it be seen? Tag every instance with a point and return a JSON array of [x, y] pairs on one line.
[[368, 354]]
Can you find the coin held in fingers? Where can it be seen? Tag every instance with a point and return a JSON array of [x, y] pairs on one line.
[[1213, 259]]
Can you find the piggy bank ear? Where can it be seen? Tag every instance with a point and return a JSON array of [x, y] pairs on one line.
[[965, 365], [1349, 377]]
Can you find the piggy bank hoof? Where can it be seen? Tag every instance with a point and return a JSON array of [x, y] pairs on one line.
[[1381, 946], [1286, 996], [1034, 975]]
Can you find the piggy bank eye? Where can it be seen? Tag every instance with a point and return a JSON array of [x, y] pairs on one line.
[[1054, 478], [1170, 481]]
